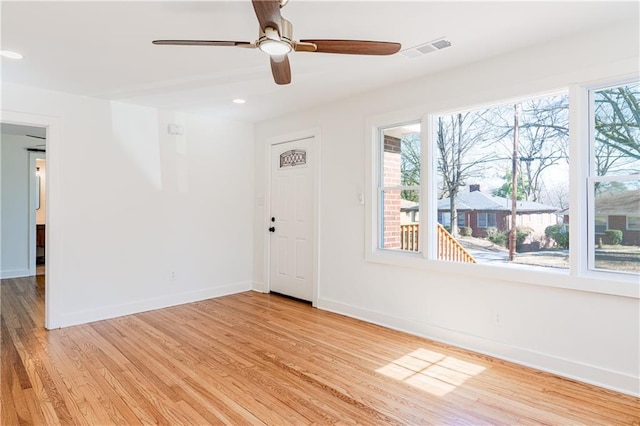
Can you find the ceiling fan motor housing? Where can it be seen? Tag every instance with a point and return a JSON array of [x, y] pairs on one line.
[[272, 43]]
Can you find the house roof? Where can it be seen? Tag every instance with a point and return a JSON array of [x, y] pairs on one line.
[[623, 203], [406, 205], [480, 201]]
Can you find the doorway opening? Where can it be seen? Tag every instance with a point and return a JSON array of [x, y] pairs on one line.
[[23, 229]]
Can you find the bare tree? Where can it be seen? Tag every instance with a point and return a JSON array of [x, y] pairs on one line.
[[410, 164], [461, 140], [617, 125], [544, 140]]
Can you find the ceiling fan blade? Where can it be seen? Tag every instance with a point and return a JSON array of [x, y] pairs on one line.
[[203, 43], [354, 47], [281, 69], [268, 14], [36, 137]]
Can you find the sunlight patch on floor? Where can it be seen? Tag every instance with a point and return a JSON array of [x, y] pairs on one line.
[[431, 371]]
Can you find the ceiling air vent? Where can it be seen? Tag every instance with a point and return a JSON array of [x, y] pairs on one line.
[[423, 49]]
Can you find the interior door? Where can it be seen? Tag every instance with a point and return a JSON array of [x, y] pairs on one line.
[[291, 220]]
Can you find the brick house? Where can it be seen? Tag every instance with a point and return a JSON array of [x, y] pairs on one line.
[[481, 211], [619, 211]]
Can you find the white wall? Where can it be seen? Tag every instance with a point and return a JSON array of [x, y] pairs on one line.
[[129, 204], [14, 214], [585, 335]]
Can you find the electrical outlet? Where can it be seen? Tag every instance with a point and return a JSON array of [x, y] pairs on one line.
[[172, 275], [498, 319]]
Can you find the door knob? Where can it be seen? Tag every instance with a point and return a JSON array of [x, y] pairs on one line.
[[272, 229]]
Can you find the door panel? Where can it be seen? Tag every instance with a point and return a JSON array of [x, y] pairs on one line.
[[291, 246]]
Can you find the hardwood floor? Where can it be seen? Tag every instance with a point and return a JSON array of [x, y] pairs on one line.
[[252, 358]]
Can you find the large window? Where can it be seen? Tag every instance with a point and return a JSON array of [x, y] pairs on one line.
[[497, 186], [489, 157], [614, 183]]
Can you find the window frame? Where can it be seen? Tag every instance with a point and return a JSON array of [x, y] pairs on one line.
[[380, 188], [487, 215], [586, 267], [577, 278]]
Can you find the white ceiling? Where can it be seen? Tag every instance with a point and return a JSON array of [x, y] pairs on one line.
[[104, 49]]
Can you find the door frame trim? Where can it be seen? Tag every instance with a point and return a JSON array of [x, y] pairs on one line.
[[315, 164], [53, 249]]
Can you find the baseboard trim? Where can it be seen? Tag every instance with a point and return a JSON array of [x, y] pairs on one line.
[[15, 273], [174, 299], [609, 379], [259, 287]]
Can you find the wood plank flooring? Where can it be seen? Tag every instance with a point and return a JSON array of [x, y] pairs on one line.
[[259, 359]]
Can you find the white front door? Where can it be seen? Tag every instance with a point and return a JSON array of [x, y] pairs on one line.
[[291, 219]]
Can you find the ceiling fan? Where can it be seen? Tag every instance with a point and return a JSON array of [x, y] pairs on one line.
[[276, 39]]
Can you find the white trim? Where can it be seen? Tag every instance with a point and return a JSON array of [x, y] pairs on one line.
[[430, 168], [14, 273], [373, 149], [610, 379], [624, 285], [173, 299], [588, 100], [54, 248], [578, 173], [315, 164]]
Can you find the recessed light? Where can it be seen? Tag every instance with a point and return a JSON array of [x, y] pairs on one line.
[[10, 54], [239, 101]]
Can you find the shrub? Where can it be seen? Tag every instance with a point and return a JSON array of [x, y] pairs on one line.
[[466, 231], [500, 238], [615, 235], [521, 234], [559, 234]]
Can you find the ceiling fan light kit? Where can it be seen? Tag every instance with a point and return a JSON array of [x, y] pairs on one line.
[[276, 40]]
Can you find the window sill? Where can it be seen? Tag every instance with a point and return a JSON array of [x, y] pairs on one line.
[[623, 285]]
